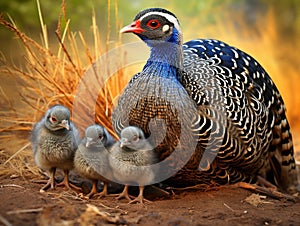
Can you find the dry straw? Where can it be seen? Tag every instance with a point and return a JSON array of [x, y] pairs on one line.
[[49, 78]]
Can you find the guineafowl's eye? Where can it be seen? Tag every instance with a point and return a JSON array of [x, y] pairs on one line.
[[153, 24], [100, 137]]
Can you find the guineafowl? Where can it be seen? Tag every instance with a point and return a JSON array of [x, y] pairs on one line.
[[216, 100]]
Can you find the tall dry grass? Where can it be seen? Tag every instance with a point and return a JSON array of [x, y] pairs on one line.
[[49, 78]]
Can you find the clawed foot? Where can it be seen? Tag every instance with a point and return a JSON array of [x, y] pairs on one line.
[[52, 184], [69, 185], [124, 196], [49, 184], [96, 195], [140, 199]]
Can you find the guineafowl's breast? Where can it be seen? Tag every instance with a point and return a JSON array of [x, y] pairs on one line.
[[162, 108]]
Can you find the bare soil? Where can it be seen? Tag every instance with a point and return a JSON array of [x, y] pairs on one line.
[[22, 204]]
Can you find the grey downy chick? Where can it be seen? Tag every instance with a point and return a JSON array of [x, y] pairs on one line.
[[91, 158], [54, 140], [130, 159]]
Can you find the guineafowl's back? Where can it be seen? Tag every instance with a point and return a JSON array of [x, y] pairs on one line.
[[249, 131]]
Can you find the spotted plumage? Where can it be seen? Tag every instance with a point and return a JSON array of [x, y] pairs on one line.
[[213, 93]]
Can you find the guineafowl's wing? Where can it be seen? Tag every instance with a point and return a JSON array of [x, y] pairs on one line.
[[230, 84]]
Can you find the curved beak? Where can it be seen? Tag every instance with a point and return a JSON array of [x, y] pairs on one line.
[[65, 124], [134, 27]]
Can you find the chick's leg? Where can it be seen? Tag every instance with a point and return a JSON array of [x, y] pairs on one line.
[[93, 191], [124, 193], [51, 181], [140, 197], [66, 182], [103, 192]]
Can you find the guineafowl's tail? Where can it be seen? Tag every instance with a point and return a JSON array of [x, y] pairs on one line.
[[282, 168]]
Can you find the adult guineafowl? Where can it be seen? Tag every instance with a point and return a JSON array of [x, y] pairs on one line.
[[224, 117]]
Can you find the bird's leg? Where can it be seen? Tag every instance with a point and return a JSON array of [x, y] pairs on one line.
[[51, 180], [103, 192], [140, 197], [93, 191], [66, 182], [124, 193]]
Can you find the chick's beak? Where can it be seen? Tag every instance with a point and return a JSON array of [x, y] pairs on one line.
[[123, 142], [89, 141], [134, 27], [65, 124]]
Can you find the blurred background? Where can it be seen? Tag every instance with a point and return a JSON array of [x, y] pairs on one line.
[[269, 30]]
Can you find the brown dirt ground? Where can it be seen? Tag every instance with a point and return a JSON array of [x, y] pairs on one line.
[[22, 204]]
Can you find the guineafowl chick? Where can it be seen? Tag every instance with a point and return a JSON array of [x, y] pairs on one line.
[[91, 158], [131, 159], [54, 140]]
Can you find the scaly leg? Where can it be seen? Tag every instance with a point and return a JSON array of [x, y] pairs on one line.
[[103, 192], [93, 191], [51, 181], [124, 193], [140, 197], [66, 182]]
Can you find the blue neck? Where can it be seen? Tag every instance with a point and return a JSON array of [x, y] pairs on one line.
[[166, 56]]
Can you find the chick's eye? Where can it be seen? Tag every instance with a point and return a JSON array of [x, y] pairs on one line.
[[153, 24], [135, 138], [53, 119]]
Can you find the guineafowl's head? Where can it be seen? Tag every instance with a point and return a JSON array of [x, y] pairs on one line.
[[58, 117], [95, 136], [155, 25]]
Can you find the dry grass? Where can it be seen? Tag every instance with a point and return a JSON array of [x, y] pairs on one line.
[[49, 78]]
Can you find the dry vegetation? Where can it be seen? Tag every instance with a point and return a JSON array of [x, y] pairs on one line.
[[49, 78]]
